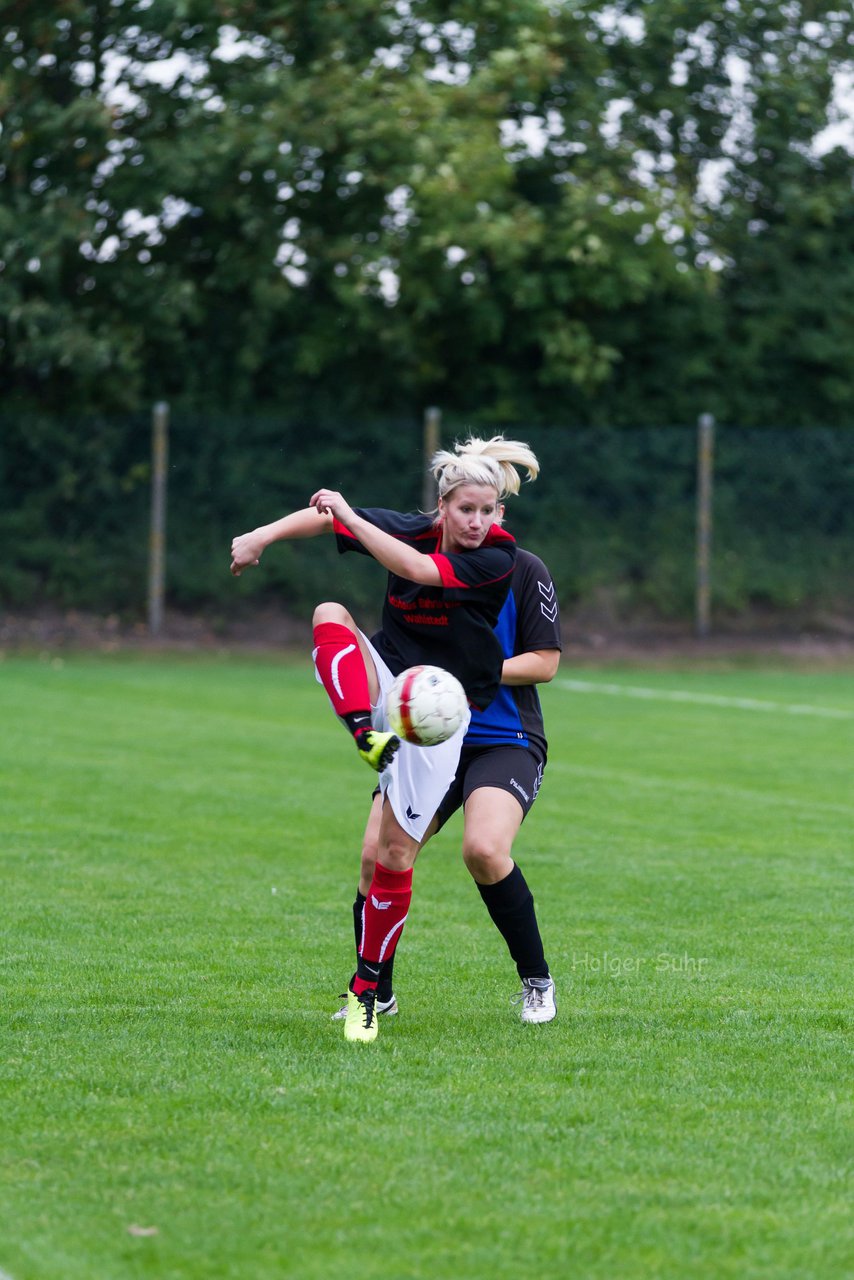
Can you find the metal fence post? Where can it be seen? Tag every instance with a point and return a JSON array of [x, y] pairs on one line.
[[705, 475], [432, 428], [157, 534]]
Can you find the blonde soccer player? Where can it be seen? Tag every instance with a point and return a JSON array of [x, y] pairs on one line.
[[449, 573]]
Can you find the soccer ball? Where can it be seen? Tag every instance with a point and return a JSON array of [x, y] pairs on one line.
[[426, 705]]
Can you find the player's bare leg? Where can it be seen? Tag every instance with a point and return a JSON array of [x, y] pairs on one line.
[[492, 821]]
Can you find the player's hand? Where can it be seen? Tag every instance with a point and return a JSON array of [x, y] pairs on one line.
[[330, 502], [245, 551]]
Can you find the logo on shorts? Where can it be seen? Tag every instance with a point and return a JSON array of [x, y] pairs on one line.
[[521, 790], [413, 817]]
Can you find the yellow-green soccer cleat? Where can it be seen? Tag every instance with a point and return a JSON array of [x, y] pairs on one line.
[[382, 1006], [377, 749], [361, 1020]]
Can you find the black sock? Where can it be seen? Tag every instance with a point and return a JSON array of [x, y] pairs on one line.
[[511, 907], [385, 988], [357, 722], [358, 908]]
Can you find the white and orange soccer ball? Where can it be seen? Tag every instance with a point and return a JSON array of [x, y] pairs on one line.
[[426, 705]]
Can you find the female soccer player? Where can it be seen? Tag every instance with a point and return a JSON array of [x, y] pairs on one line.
[[448, 578], [498, 778]]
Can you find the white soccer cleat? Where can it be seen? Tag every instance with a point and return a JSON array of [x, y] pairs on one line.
[[538, 1000]]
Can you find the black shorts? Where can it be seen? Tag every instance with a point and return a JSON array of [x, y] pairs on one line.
[[518, 770]]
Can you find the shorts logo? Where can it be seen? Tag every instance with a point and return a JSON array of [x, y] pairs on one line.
[[413, 817], [538, 781], [521, 790]]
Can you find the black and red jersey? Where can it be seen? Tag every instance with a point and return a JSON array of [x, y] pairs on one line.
[[451, 625]]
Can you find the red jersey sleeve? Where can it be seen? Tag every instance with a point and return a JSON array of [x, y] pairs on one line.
[[465, 572]]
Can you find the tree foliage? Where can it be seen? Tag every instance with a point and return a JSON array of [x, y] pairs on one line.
[[505, 207], [300, 221]]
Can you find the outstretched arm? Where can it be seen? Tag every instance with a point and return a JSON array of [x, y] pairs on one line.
[[247, 548], [393, 555]]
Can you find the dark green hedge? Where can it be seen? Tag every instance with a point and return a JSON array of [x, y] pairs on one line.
[[613, 512]]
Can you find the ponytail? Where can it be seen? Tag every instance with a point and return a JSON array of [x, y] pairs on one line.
[[486, 462]]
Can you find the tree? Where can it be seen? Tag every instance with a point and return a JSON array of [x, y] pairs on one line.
[[723, 106], [316, 189], [503, 206]]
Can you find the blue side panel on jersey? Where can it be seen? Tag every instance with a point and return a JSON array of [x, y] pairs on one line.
[[500, 722]]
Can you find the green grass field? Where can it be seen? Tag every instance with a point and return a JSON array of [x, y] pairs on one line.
[[180, 841]]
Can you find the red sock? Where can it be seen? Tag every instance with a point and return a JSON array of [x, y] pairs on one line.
[[386, 908], [341, 668]]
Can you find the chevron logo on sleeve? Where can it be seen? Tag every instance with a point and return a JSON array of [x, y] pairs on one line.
[[549, 610]]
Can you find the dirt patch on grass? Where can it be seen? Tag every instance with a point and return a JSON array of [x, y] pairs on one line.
[[828, 642]]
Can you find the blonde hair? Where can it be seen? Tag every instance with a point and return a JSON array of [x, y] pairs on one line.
[[487, 462]]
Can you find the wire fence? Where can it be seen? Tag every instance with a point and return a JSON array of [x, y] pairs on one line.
[[614, 513]]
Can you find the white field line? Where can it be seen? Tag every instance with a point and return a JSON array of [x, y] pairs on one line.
[[694, 787], [703, 699]]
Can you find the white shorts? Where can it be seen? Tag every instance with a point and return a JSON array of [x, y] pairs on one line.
[[417, 779]]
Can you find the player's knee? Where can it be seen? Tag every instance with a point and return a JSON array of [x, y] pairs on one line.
[[369, 859], [330, 611], [397, 852], [484, 858]]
